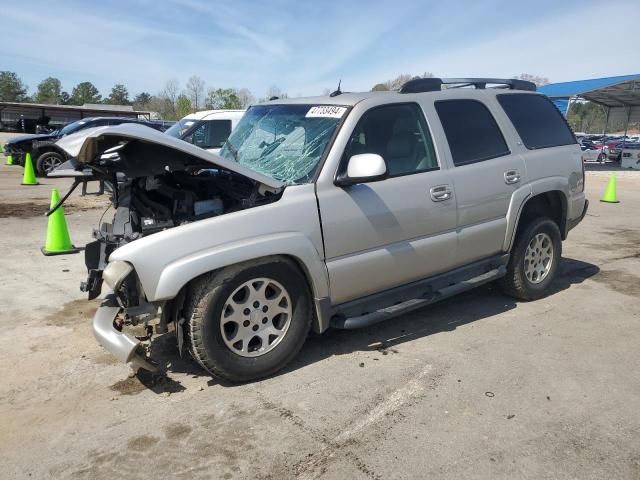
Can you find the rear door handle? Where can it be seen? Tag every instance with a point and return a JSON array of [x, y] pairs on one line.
[[440, 193], [511, 177]]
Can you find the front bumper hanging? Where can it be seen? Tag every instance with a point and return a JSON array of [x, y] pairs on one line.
[[120, 345]]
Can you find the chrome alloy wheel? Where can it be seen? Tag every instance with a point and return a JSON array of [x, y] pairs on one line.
[[256, 317], [50, 163], [538, 259]]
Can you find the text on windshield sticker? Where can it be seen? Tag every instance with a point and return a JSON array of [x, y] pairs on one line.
[[326, 111]]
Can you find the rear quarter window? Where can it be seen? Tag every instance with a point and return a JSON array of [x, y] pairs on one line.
[[472, 132], [537, 120]]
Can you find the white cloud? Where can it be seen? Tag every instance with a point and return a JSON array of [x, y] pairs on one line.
[[304, 47], [577, 45]]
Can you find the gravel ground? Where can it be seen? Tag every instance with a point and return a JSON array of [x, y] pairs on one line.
[[478, 386]]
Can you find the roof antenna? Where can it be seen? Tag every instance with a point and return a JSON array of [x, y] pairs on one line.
[[338, 91]]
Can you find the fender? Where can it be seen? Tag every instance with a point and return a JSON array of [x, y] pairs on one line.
[[523, 194], [292, 244], [518, 199], [166, 261]]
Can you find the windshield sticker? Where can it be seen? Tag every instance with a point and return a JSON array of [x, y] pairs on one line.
[[326, 111]]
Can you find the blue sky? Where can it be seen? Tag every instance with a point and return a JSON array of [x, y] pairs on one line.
[[304, 47]]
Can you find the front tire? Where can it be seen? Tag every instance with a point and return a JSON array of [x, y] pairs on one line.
[[47, 162], [534, 260], [248, 321]]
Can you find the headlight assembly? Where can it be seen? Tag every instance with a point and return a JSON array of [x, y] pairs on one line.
[[115, 273]]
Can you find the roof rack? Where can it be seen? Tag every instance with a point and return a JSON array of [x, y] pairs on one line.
[[418, 85]]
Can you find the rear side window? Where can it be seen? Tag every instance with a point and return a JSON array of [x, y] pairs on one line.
[[537, 120], [471, 131]]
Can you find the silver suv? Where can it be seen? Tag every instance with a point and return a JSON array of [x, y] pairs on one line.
[[337, 211]]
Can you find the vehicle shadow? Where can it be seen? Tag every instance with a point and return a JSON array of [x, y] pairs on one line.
[[472, 306], [608, 166]]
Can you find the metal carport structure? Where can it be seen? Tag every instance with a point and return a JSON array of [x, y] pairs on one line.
[[619, 96], [60, 115]]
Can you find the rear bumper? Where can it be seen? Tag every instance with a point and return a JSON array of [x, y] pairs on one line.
[[120, 345]]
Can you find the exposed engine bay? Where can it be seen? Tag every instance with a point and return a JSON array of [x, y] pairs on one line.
[[156, 182], [147, 205]]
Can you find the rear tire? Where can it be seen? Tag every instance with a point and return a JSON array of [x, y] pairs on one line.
[[534, 260], [47, 162], [226, 310]]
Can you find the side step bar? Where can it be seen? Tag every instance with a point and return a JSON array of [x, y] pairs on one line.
[[416, 303]]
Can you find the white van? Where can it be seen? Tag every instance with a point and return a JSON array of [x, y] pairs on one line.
[[208, 129]]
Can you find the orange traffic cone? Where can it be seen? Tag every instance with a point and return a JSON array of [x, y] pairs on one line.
[[58, 240]]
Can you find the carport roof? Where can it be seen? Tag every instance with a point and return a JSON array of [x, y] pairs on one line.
[[621, 91], [620, 96]]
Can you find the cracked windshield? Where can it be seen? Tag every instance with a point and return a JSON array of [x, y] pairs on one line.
[[285, 142]]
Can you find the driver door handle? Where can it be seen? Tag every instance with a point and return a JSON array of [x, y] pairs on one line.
[[511, 177], [440, 193]]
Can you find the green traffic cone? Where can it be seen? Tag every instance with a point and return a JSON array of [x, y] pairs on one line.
[[9, 160], [29, 177], [58, 240], [610, 195]]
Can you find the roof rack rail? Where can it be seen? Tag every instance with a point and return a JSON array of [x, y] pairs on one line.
[[418, 85]]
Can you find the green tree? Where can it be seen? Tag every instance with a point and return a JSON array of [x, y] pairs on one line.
[[49, 91], [396, 83], [183, 106], [142, 101], [65, 98], [223, 98], [85, 92], [11, 87], [119, 95], [587, 117], [380, 87]]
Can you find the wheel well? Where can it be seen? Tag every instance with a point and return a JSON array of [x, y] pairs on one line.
[[552, 204], [178, 301], [47, 149]]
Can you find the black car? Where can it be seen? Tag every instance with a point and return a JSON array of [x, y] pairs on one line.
[[45, 154]]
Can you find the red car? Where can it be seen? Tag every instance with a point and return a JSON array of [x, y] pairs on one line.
[[613, 150]]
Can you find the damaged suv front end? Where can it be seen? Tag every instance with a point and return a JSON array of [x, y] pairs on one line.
[[157, 183], [182, 212]]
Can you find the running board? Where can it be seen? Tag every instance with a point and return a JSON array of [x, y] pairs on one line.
[[416, 303]]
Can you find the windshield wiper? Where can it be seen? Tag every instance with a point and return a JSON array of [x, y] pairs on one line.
[[232, 149]]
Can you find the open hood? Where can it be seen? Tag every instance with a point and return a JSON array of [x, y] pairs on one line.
[[138, 151]]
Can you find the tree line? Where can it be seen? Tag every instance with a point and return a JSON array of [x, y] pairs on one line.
[[174, 102], [171, 103]]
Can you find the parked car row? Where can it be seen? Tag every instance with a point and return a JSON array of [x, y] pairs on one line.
[[208, 130], [601, 148]]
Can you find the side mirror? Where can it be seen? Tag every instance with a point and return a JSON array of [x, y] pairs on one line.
[[363, 168]]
